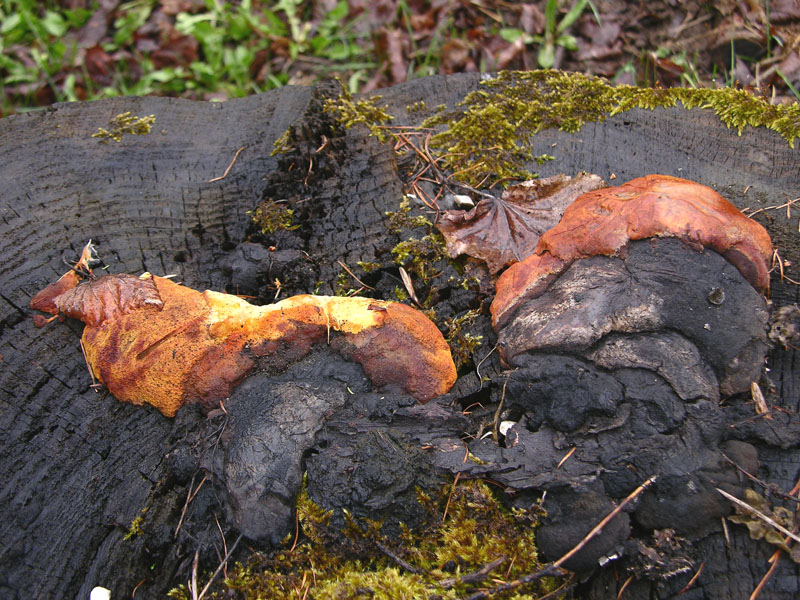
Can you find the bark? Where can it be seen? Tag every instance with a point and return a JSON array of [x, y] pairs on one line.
[[77, 467]]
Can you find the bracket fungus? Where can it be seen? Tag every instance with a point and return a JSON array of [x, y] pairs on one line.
[[605, 221], [639, 259], [635, 314], [150, 340]]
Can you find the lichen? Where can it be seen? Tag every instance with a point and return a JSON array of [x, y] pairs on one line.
[[490, 133], [125, 123], [467, 528], [270, 216]]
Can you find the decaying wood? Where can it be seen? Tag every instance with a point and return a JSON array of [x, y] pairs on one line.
[[78, 467]]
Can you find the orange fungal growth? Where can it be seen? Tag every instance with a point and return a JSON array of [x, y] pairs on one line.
[[150, 340], [604, 221]]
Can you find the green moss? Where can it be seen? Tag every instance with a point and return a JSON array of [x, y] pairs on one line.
[[349, 113], [368, 267], [490, 134], [417, 107], [125, 123], [328, 564], [462, 343], [283, 145], [419, 256], [270, 216], [135, 528], [401, 219]]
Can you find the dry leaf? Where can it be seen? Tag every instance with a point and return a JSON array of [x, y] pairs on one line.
[[505, 230], [108, 297]]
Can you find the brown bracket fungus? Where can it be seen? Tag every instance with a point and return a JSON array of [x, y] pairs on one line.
[[150, 340]]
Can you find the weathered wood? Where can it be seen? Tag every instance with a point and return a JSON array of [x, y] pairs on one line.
[[76, 466]]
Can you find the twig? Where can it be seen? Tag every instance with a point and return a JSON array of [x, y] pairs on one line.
[[230, 166], [787, 205], [599, 527], [760, 515], [224, 544], [566, 456], [689, 585], [86, 359], [496, 423], [624, 586], [193, 584], [478, 368], [554, 568], [361, 283], [450, 496], [774, 559], [547, 571], [189, 497], [475, 576], [770, 487], [400, 562], [409, 285], [219, 568]]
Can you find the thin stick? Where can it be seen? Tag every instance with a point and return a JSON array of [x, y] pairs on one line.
[[478, 368], [230, 166], [194, 574], [774, 559], [566, 456], [770, 487], [554, 568], [599, 527], [475, 576], [400, 562], [86, 359], [361, 283], [624, 586], [689, 585], [219, 568], [224, 544], [496, 424], [189, 497], [760, 515]]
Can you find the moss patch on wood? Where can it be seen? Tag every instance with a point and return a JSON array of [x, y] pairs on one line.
[[269, 216], [490, 133], [125, 123], [468, 529]]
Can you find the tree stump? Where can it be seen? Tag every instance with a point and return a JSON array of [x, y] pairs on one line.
[[78, 468]]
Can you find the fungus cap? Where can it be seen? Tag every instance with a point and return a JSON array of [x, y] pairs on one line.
[[604, 221]]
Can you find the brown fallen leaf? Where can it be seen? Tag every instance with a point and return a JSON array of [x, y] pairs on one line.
[[108, 297], [502, 231]]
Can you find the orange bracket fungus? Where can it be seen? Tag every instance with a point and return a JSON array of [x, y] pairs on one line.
[[605, 221], [150, 340]]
